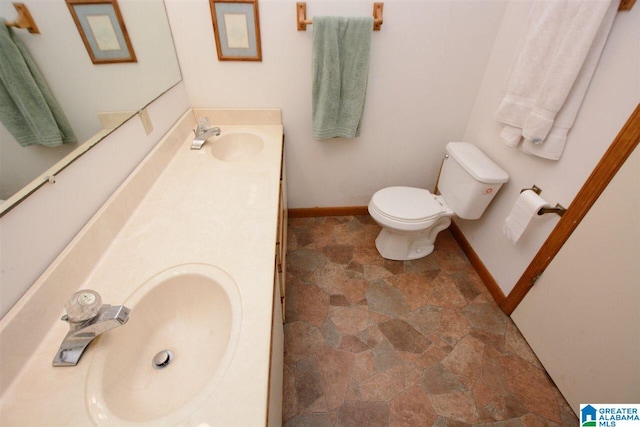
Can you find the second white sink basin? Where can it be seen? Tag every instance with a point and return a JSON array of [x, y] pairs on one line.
[[236, 146], [167, 360]]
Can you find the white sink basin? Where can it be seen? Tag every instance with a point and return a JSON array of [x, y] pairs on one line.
[[236, 146], [192, 312]]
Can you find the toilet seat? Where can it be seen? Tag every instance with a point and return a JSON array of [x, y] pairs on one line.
[[406, 208]]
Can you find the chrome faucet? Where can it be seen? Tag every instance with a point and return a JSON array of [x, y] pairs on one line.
[[87, 318], [203, 132]]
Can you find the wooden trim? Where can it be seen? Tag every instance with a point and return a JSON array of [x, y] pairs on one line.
[[626, 4], [330, 211], [620, 149], [478, 265]]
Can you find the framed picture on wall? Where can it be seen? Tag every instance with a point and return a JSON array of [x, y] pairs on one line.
[[236, 26], [102, 30]]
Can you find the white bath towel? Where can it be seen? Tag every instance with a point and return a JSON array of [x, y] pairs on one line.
[[552, 71]]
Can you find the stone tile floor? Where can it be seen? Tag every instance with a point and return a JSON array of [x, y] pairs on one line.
[[372, 342]]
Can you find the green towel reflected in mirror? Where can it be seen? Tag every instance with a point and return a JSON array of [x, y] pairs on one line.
[[27, 107]]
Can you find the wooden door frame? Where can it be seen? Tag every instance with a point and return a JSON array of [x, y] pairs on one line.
[[620, 149]]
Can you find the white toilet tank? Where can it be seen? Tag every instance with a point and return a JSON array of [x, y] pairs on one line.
[[469, 180]]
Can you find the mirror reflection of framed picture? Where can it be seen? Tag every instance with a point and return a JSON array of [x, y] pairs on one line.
[[237, 29], [102, 30]]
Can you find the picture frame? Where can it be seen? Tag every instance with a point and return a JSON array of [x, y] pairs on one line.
[[102, 30], [236, 26]]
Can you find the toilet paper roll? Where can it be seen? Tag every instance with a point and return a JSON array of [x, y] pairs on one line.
[[524, 210]]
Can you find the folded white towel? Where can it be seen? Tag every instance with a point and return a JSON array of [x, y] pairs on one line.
[[552, 71]]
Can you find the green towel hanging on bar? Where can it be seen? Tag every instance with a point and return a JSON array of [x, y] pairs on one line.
[[27, 107], [341, 49]]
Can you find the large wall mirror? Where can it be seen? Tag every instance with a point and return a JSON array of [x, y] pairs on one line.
[[94, 97]]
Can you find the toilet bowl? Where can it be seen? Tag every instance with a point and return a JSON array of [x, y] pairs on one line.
[[411, 218]]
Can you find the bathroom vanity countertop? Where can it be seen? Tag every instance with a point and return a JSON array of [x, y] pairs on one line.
[[196, 209]]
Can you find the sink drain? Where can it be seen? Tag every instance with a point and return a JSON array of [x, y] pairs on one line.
[[162, 359]]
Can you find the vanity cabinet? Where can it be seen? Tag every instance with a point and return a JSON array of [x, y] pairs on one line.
[[281, 238], [276, 369]]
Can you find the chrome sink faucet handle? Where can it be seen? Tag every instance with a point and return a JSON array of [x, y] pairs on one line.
[[87, 318], [203, 131]]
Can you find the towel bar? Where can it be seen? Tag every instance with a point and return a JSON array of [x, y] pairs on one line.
[[24, 19], [302, 20]]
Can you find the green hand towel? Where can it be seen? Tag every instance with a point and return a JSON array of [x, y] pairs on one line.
[[27, 107], [340, 71]]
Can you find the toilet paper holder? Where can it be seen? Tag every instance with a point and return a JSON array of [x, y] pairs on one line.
[[558, 209]]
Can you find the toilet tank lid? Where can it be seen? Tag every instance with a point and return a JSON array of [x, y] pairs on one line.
[[476, 163]]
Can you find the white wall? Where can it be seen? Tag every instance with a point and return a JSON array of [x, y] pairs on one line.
[[37, 230], [613, 94], [426, 67]]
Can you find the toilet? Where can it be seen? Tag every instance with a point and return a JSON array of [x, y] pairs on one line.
[[411, 218]]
